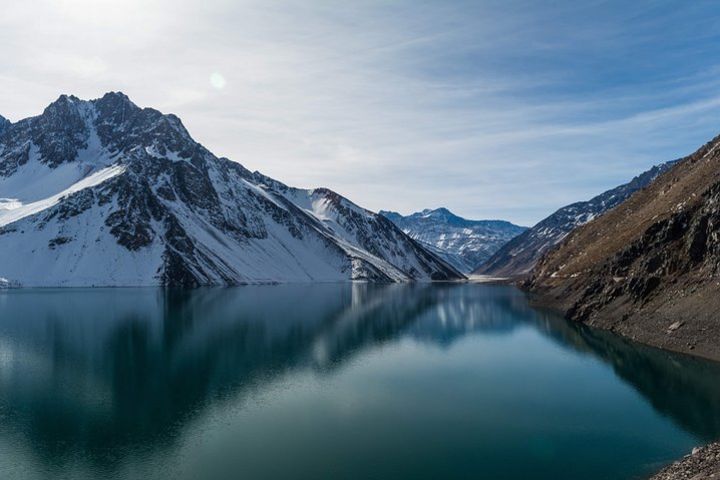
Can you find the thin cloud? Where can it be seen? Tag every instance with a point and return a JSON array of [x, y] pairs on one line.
[[493, 109]]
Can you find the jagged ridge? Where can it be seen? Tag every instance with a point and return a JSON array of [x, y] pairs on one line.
[[171, 213], [518, 256], [463, 243]]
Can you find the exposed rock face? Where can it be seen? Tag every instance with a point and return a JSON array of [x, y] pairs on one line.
[[702, 464], [519, 255], [463, 243], [650, 268], [4, 123], [103, 192]]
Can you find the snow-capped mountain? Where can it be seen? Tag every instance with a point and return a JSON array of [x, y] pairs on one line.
[[103, 192], [519, 256], [465, 244]]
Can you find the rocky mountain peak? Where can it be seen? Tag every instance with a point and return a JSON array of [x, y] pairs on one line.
[[130, 198], [390, 215], [463, 243], [59, 133], [115, 106], [65, 105], [71, 129], [114, 96], [441, 212], [64, 99], [4, 123], [122, 125]]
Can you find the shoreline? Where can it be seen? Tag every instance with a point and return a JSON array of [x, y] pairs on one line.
[[677, 327], [702, 463]]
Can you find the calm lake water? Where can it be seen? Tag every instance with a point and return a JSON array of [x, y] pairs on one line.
[[334, 381]]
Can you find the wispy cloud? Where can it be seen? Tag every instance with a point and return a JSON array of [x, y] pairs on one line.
[[493, 109]]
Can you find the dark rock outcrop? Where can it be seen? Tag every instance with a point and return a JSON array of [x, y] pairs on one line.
[[4, 123]]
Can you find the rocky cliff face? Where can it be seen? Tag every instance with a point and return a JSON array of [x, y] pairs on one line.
[[650, 268], [4, 123], [464, 243], [103, 192], [519, 255]]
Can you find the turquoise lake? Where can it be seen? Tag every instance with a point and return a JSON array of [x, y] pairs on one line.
[[334, 381]]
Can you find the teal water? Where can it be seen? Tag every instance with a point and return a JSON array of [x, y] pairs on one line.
[[334, 381]]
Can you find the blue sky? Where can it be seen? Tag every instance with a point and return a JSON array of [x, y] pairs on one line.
[[494, 109]]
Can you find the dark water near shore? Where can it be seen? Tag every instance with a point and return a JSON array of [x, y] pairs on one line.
[[334, 381]]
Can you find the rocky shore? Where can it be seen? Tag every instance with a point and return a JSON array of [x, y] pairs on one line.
[[702, 464]]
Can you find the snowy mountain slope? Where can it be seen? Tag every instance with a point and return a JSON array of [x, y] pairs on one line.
[[12, 209], [463, 243], [520, 255], [103, 192]]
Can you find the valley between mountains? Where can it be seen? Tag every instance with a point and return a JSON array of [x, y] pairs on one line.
[[106, 193]]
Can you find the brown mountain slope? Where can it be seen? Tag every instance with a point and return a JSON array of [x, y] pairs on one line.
[[650, 268]]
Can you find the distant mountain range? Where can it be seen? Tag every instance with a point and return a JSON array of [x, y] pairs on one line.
[[463, 243], [103, 192], [519, 255]]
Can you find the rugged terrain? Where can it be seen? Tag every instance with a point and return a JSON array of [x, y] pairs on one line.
[[519, 255], [104, 192], [464, 243], [650, 268], [702, 464]]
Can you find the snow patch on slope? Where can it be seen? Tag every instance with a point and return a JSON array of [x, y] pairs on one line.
[[105, 193], [84, 253], [12, 209]]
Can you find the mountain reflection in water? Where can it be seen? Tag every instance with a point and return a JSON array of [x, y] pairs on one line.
[[102, 376]]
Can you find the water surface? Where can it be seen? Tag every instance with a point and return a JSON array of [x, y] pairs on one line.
[[334, 381]]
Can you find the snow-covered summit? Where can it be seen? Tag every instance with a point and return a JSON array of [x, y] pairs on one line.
[[103, 192], [463, 243]]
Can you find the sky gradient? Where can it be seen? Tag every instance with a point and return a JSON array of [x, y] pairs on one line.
[[493, 109]]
